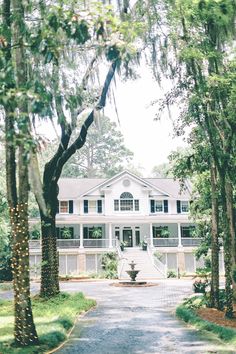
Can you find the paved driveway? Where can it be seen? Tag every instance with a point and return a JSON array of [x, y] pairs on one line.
[[135, 321]]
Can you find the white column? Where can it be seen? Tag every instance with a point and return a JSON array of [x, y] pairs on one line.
[[151, 235], [110, 235], [179, 235], [81, 235]]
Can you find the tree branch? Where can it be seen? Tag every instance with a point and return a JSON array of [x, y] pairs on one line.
[[81, 139]]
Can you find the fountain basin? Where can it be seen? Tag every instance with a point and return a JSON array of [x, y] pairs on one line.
[[133, 274]]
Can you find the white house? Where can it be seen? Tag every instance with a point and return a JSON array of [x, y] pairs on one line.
[[94, 213]]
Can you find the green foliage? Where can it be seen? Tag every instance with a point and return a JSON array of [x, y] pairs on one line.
[[103, 155], [234, 273], [188, 315], [195, 302], [110, 264], [200, 285], [35, 231], [97, 232], [171, 273], [53, 318]]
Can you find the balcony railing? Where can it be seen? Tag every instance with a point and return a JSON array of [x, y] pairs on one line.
[[71, 243], [193, 241], [96, 243], [165, 242], [174, 242], [75, 243]]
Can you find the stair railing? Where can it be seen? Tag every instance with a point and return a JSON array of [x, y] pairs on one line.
[[120, 258], [161, 267]]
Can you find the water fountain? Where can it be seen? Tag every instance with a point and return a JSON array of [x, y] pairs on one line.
[[133, 274]]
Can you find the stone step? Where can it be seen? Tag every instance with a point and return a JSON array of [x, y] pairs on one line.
[[143, 263]]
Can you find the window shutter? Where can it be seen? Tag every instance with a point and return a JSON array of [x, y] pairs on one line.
[[99, 206], [57, 232], [71, 207], [85, 232], [86, 206], [178, 206], [165, 206], [152, 206], [58, 207]]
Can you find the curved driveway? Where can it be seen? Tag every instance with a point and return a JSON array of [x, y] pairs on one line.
[[135, 321]]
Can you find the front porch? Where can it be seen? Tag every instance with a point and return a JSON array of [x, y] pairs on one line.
[[106, 235]]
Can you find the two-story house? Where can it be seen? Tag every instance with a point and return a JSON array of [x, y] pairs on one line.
[[94, 213]]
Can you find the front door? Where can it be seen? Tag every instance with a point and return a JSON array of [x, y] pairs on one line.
[[127, 237]]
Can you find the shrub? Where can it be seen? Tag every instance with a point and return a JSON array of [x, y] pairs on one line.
[[110, 265], [171, 273], [200, 285]]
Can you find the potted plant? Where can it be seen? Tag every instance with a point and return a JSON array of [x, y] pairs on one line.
[[143, 244]]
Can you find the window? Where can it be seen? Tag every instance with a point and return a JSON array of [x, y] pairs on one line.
[[184, 207], [65, 232], [136, 205], [160, 231], [93, 232], [159, 206], [92, 205], [116, 204], [64, 206], [187, 231], [126, 203]]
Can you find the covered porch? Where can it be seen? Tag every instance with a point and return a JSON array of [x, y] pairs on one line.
[[105, 235]]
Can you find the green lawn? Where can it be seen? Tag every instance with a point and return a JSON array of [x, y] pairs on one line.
[[225, 334], [53, 319]]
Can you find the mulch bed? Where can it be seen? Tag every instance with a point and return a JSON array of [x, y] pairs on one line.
[[217, 317]]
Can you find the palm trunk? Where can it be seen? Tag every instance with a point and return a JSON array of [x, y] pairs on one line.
[[214, 242]]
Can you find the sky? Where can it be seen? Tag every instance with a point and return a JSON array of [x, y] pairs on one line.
[[150, 140]]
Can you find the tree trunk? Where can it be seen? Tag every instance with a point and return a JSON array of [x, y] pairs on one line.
[[52, 173], [25, 332], [50, 258], [228, 259], [214, 242]]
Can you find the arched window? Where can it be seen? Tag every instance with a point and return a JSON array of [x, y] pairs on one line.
[[126, 195], [126, 203]]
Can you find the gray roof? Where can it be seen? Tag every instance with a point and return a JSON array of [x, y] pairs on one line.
[[72, 188], [170, 186]]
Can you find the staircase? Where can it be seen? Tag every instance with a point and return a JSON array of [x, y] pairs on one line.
[[143, 263]]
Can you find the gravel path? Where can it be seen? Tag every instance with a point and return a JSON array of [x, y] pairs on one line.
[[135, 321]]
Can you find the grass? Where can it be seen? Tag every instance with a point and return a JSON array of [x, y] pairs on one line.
[[5, 286], [53, 318], [188, 315]]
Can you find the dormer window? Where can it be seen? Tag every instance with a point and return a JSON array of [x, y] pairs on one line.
[[182, 206], [66, 207], [158, 206], [126, 203]]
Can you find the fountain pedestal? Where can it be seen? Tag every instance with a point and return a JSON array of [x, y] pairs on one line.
[[133, 274]]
